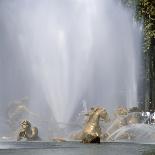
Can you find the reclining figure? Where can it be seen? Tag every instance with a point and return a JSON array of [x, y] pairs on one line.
[[27, 132]]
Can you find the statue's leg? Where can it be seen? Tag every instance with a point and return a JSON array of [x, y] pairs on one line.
[[20, 135], [96, 140], [18, 138], [90, 139]]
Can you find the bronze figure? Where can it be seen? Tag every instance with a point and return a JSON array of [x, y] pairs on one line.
[[27, 132], [92, 132]]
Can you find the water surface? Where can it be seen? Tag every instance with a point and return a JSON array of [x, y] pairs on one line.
[[75, 148]]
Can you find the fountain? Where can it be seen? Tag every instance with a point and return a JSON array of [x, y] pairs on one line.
[[59, 54], [66, 57]]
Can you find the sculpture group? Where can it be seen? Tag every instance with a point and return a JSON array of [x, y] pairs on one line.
[[92, 131]]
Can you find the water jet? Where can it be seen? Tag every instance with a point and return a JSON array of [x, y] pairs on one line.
[[66, 56]]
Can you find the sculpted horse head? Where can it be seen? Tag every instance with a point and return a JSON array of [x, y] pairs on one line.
[[92, 131]]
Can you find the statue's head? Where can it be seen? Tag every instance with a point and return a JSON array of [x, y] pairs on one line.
[[25, 124], [122, 111], [103, 114]]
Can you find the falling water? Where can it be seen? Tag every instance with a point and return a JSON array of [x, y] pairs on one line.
[[61, 53]]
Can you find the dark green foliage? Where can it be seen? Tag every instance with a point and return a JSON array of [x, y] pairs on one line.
[[145, 14]]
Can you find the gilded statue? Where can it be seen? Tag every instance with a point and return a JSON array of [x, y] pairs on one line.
[[91, 132], [123, 117], [27, 132]]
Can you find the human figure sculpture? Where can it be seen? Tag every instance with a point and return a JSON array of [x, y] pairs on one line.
[[91, 132], [119, 121], [121, 111], [27, 132], [124, 118]]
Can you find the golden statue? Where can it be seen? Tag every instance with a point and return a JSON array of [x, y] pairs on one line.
[[123, 117], [27, 132], [119, 121], [92, 132], [121, 111]]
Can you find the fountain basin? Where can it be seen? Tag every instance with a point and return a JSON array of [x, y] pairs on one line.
[[70, 147]]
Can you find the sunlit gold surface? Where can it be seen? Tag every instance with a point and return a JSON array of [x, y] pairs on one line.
[[27, 132], [92, 131]]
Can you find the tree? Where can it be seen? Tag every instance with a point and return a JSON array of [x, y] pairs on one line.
[[145, 13]]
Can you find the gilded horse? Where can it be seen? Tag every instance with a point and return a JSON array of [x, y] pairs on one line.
[[27, 132], [92, 132]]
